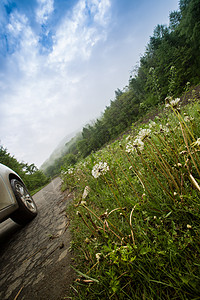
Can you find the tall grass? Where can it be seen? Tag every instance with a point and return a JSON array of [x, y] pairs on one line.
[[135, 216]]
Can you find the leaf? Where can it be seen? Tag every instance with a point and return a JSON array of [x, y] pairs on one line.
[[84, 275], [144, 251], [167, 215], [132, 259], [185, 279]]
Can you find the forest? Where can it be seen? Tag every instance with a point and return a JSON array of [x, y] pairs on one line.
[[169, 66]]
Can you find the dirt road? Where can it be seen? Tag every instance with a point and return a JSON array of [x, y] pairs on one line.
[[35, 259]]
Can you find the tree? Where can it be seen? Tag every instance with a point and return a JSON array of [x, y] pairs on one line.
[[32, 177]]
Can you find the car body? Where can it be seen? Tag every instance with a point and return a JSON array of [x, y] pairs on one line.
[[15, 201]]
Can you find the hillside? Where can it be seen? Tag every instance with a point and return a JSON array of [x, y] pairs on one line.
[[52, 165], [136, 177], [135, 216]]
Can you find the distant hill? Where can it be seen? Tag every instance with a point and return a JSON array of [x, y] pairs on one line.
[[61, 149]]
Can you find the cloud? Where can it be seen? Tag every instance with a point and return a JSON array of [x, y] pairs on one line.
[[42, 93], [80, 32], [44, 10], [59, 71]]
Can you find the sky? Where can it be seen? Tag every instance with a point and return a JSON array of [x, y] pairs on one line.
[[61, 62]]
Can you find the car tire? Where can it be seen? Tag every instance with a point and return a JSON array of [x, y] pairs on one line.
[[27, 209]]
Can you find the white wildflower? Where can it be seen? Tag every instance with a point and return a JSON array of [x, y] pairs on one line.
[[138, 143], [189, 226], [86, 192], [197, 143], [171, 102], [164, 129], [175, 102], [98, 256], [70, 171], [83, 203], [188, 119], [168, 100], [100, 169], [64, 172], [151, 70], [129, 147], [84, 164], [152, 124], [143, 133]]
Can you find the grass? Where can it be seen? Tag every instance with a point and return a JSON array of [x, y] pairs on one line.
[[135, 216], [32, 193]]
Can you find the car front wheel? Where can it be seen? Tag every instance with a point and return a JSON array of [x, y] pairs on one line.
[[27, 208]]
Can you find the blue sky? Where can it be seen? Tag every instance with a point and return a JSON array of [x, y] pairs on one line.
[[62, 60]]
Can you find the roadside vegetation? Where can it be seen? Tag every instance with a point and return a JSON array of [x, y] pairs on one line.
[[34, 178], [135, 217], [136, 179]]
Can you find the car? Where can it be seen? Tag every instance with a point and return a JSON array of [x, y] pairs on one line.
[[15, 201]]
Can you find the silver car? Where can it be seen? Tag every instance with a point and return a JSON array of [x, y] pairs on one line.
[[15, 201]]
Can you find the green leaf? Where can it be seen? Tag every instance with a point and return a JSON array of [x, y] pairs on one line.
[[144, 251], [84, 275]]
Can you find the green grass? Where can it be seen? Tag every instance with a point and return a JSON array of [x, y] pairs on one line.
[[39, 189], [135, 216]]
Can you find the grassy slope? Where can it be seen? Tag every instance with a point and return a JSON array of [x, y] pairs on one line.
[[136, 211]]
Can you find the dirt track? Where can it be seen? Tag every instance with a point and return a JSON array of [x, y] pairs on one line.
[[35, 259]]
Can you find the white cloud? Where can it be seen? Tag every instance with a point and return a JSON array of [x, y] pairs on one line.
[[24, 44], [47, 96], [101, 12], [75, 39], [44, 10]]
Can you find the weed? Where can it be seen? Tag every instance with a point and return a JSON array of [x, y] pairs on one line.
[[136, 230]]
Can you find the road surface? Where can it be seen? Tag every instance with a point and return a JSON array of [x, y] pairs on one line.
[[35, 259]]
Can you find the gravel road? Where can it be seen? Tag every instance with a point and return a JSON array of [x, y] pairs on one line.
[[35, 259]]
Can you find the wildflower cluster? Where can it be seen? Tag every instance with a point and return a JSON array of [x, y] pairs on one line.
[[69, 171], [187, 118], [100, 169], [152, 124], [164, 129], [170, 102], [138, 142]]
